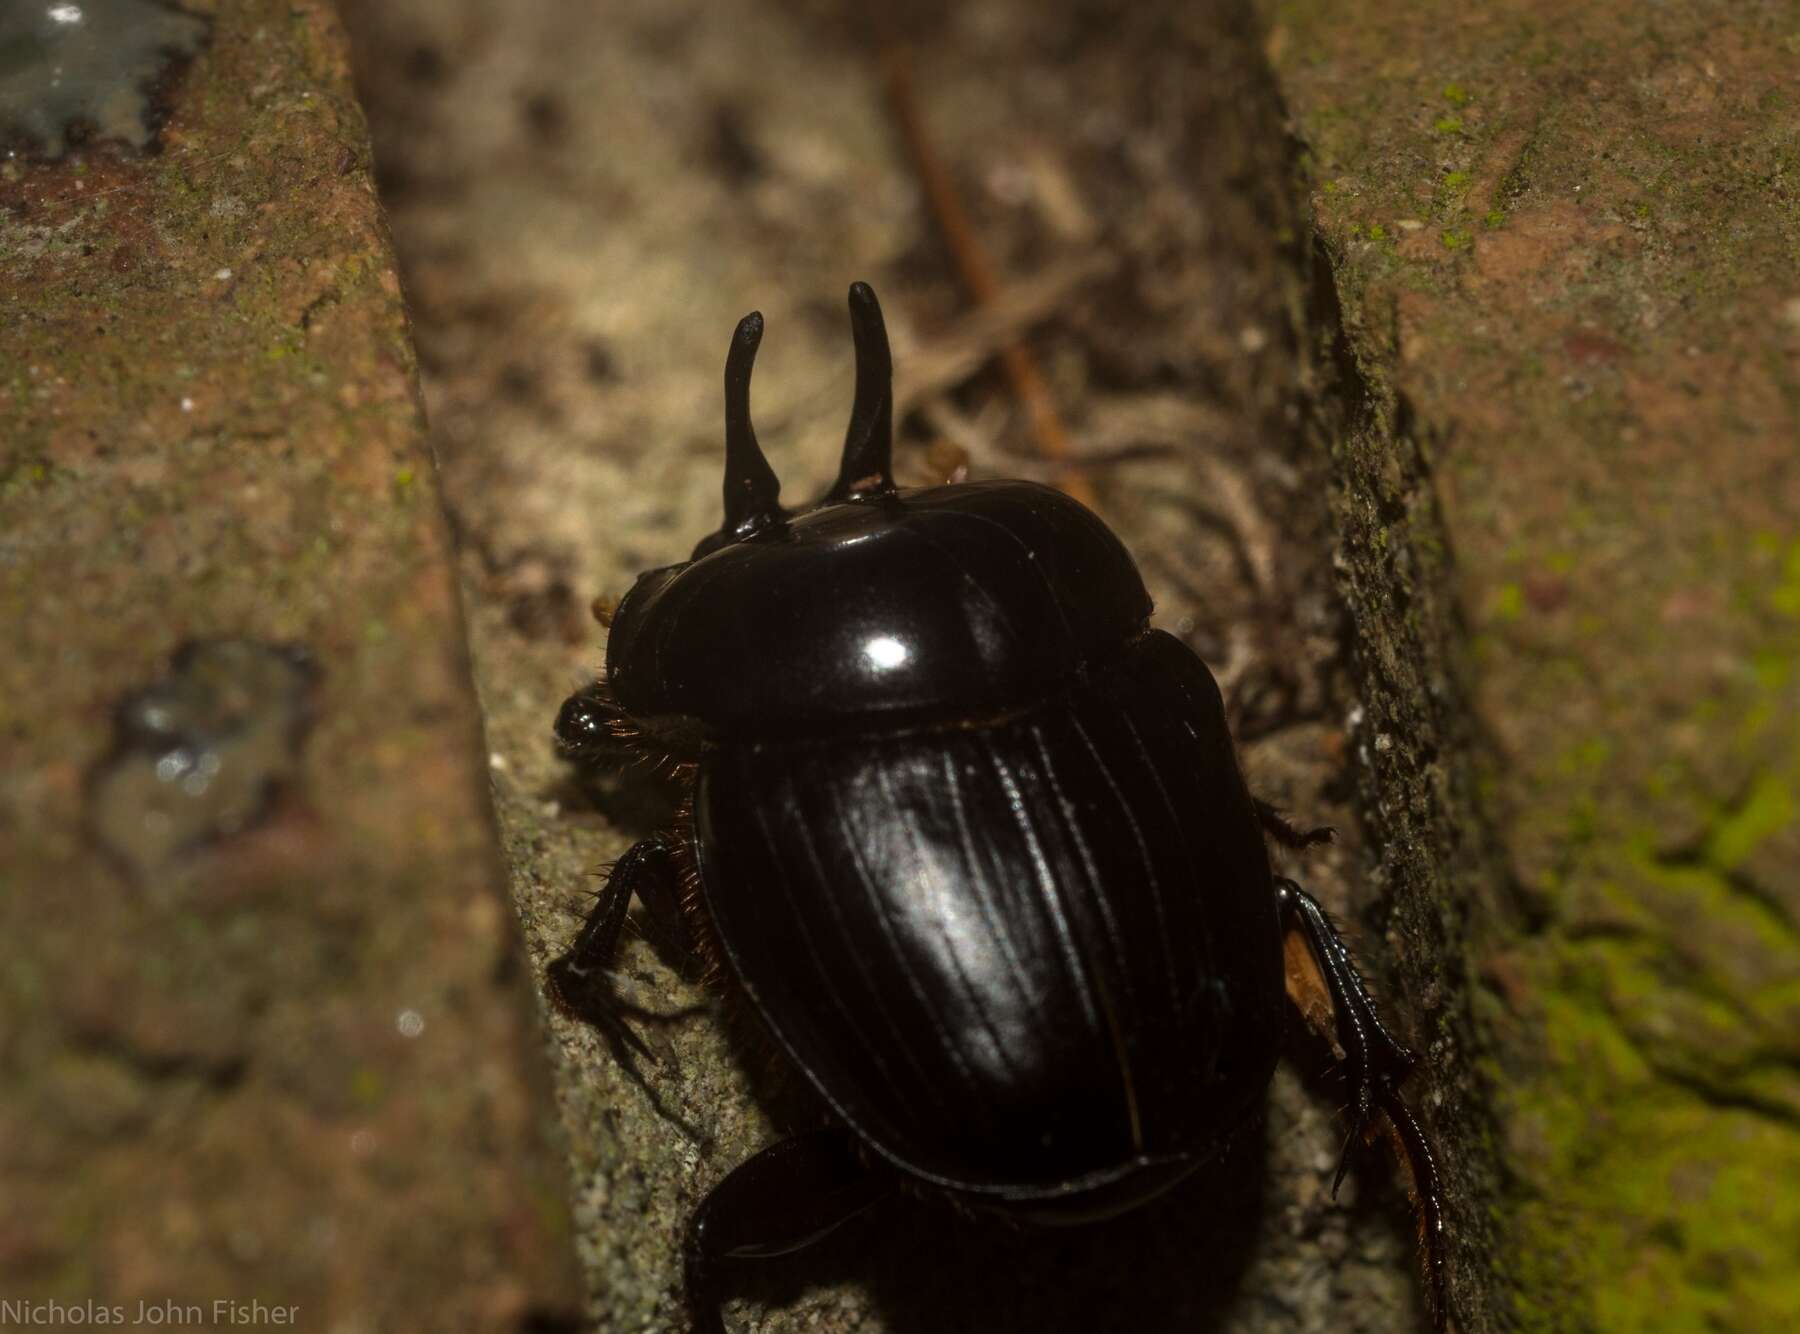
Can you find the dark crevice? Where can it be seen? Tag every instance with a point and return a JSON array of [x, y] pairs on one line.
[[220, 1074], [1436, 853], [1734, 1099]]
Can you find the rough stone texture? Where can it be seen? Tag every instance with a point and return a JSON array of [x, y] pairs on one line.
[[1566, 239], [584, 208], [289, 1064]]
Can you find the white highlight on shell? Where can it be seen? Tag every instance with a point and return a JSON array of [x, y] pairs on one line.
[[885, 653]]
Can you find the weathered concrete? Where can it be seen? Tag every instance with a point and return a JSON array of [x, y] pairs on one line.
[[271, 1047], [1566, 238], [1558, 428]]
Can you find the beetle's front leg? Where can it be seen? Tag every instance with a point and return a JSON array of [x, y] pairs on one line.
[[1277, 826], [1377, 1063], [580, 981], [784, 1199]]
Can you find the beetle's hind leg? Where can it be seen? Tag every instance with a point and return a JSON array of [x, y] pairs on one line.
[[784, 1199], [1374, 1056], [1376, 1064]]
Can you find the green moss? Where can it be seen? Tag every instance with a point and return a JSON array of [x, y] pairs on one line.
[[367, 1088], [1784, 599], [1581, 1032], [1673, 1191], [1772, 669], [1583, 757], [1768, 809]]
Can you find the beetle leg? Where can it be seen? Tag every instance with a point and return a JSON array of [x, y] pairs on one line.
[[1373, 1054], [784, 1199], [1276, 825], [1378, 1062], [580, 980]]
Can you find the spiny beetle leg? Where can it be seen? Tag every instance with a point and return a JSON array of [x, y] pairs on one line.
[[1277, 826], [580, 980], [784, 1199], [1433, 1243], [1377, 1063]]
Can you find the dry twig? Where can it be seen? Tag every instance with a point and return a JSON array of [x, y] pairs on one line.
[[977, 273]]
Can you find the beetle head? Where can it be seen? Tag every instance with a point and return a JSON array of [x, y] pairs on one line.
[[752, 491], [956, 601]]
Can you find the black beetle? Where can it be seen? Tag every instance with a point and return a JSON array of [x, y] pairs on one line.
[[972, 839]]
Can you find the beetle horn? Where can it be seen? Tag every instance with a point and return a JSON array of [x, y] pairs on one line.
[[752, 491], [868, 465]]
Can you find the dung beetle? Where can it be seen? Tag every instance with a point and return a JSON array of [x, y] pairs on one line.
[[971, 839]]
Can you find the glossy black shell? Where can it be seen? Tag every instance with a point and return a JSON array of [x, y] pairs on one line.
[[957, 601], [1029, 959], [970, 835], [942, 602]]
